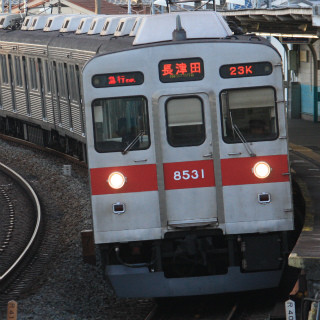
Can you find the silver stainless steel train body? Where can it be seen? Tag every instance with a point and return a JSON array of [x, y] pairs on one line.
[[40, 87], [188, 157], [186, 138]]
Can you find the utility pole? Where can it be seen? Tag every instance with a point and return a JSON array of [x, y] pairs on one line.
[[97, 7]]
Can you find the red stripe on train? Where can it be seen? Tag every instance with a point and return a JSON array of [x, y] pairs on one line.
[[139, 178], [188, 174], [239, 171]]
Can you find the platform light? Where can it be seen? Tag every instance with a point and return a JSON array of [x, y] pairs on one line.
[[116, 180], [261, 170]]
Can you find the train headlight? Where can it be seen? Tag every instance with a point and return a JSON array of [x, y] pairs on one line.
[[116, 180], [261, 170]]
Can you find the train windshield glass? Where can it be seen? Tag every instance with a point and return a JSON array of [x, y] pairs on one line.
[[118, 122], [252, 112], [185, 123]]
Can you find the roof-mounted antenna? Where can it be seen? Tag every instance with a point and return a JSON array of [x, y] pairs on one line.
[[179, 34]]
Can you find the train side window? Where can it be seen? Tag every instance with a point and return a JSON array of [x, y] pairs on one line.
[[4, 70], [47, 76], [118, 122], [72, 83], [185, 122], [252, 112], [18, 77], [62, 80], [33, 74], [25, 75]]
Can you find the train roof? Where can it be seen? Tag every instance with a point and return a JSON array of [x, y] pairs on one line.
[[153, 30]]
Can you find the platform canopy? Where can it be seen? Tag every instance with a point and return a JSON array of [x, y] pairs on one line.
[[286, 21]]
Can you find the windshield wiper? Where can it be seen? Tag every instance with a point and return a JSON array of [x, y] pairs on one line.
[[133, 142], [236, 130]]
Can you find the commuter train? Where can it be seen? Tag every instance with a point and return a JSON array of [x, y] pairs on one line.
[[187, 147]]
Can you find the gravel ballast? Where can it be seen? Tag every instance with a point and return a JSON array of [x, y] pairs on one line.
[[66, 287]]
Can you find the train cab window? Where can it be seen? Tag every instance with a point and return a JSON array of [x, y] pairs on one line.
[[249, 114], [121, 123], [185, 122]]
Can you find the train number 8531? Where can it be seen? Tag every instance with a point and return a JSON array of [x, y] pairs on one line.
[[188, 174]]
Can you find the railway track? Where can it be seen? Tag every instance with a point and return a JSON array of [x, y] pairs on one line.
[[260, 305], [202, 308], [21, 221], [47, 150]]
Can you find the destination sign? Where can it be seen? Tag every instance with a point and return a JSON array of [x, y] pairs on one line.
[[245, 70], [190, 69], [117, 79]]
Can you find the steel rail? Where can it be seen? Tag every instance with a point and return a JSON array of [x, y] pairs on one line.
[[26, 186], [151, 315]]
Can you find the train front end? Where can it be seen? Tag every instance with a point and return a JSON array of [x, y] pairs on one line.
[[188, 159]]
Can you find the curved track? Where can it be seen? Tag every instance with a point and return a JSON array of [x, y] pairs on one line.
[[21, 216]]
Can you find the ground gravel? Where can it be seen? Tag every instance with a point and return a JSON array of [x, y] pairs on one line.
[[66, 287]]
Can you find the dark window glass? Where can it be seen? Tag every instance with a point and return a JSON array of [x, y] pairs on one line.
[[4, 69], [120, 121], [72, 84], [47, 76], [185, 123], [250, 113], [33, 74], [19, 82]]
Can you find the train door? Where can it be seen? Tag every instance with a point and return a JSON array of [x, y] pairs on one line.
[[187, 153]]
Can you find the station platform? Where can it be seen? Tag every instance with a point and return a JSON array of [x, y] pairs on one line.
[[304, 139]]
